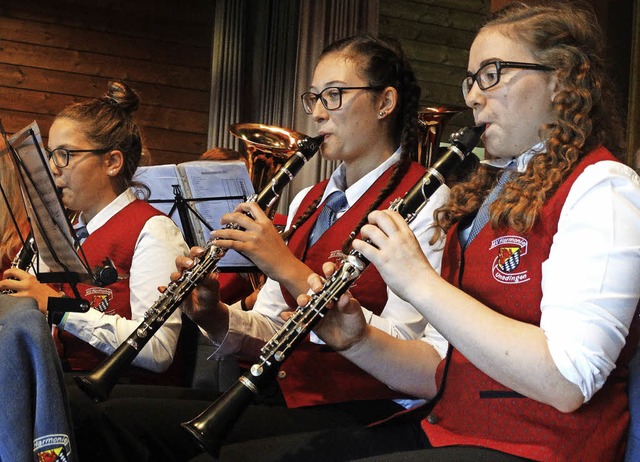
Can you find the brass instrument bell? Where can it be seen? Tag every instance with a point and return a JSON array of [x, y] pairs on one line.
[[432, 123], [266, 149]]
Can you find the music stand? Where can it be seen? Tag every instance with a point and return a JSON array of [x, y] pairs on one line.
[[54, 235], [182, 206]]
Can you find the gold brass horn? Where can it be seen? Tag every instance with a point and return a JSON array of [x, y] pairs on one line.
[[432, 123], [266, 149]]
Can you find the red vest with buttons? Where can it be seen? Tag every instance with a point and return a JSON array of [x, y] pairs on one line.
[[503, 269], [116, 239], [315, 374]]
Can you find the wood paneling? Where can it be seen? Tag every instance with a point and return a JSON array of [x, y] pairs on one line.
[[56, 52], [436, 37]]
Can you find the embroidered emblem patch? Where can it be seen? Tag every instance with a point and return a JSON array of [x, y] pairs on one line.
[[52, 448], [99, 298], [510, 250]]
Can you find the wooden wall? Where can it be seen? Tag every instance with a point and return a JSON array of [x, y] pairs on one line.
[[436, 37], [55, 52]]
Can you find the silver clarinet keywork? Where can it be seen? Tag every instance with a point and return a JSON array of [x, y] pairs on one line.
[[211, 426], [99, 383]]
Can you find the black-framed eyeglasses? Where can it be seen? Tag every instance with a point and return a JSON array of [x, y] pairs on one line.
[[489, 74], [331, 97], [61, 156]]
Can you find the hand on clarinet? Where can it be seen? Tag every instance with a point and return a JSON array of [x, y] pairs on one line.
[[257, 238], [395, 252], [24, 284], [343, 325], [202, 305]]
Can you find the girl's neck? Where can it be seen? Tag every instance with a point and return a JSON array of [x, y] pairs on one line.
[[356, 169]]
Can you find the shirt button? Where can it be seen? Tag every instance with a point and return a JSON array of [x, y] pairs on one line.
[[433, 419], [282, 375]]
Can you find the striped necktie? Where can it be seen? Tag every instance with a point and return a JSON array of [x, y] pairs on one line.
[[336, 202], [482, 218], [81, 234]]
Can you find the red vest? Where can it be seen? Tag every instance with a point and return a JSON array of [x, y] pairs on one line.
[[315, 374], [116, 239], [502, 269]]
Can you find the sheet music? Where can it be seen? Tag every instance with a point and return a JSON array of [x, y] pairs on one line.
[[160, 179], [221, 185], [51, 228]]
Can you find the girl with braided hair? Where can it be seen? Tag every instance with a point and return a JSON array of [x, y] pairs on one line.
[[536, 308], [94, 149], [364, 100]]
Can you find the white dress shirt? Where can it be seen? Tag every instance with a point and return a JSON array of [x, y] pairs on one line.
[[248, 330], [591, 280], [157, 247]]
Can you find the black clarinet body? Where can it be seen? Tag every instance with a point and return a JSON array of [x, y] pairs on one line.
[[211, 426], [99, 383]]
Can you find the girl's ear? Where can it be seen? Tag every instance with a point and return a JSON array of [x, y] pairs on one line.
[[114, 161], [554, 85], [388, 102]]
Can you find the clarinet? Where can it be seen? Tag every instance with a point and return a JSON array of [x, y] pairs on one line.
[[24, 257], [99, 383], [211, 426]]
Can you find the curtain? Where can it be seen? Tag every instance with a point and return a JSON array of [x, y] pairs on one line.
[[253, 65], [226, 70]]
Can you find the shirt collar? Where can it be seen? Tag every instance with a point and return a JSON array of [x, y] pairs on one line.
[[108, 212], [520, 162], [338, 180]]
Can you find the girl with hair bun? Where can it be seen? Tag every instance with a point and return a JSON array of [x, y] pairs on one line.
[[94, 149]]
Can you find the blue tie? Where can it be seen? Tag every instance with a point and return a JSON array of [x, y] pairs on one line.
[[81, 233], [336, 202], [482, 218]]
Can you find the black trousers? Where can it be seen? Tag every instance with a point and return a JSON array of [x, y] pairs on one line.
[[397, 442], [142, 423]]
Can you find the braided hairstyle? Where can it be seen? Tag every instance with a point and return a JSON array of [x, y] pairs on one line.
[[567, 38], [383, 64], [109, 124]]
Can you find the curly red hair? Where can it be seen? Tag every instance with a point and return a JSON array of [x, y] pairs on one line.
[[567, 38]]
